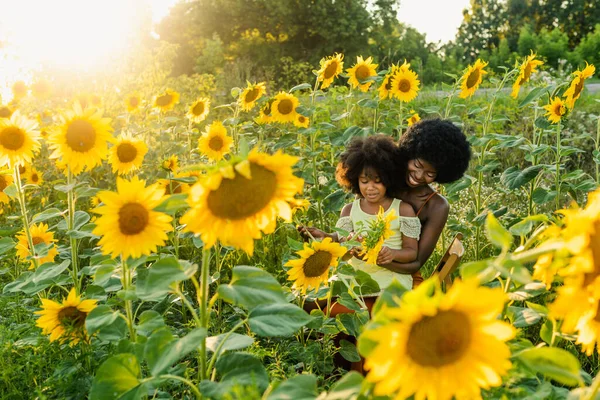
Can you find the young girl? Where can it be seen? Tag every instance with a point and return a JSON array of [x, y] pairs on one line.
[[370, 170]]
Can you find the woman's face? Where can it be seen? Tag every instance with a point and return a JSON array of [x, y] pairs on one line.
[[420, 172]]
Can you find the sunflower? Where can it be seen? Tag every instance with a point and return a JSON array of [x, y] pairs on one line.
[[362, 70], [66, 321], [576, 87], [284, 107], [5, 181], [171, 164], [472, 78], [251, 94], [82, 139], [439, 346], [242, 199], [133, 101], [199, 110], [311, 270], [166, 100], [127, 154], [301, 121], [19, 139], [128, 225], [378, 231], [5, 112], [39, 234], [34, 177], [556, 110], [214, 142], [385, 90], [265, 115], [42, 89], [170, 186], [19, 89], [331, 67], [527, 68], [405, 85], [414, 118]]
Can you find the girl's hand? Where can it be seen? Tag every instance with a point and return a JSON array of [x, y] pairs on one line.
[[306, 232], [385, 256], [355, 251]]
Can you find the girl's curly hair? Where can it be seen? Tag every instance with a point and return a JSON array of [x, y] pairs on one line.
[[440, 143], [377, 153]]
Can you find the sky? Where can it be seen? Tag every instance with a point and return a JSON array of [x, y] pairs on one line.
[[437, 19]]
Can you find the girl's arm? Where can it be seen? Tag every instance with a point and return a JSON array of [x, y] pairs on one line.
[[319, 234], [409, 249]]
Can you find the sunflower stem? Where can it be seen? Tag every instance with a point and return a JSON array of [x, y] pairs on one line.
[[23, 206], [71, 224], [557, 174], [126, 282], [400, 119], [220, 346], [181, 379], [204, 312]]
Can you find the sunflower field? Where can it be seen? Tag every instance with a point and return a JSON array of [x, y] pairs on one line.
[[149, 245]]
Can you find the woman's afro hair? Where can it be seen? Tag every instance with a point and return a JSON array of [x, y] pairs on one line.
[[377, 153], [440, 143]]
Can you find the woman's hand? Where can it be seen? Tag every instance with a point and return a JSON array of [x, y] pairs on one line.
[[308, 232], [385, 256]]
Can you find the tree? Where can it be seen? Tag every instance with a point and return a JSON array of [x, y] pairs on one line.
[[481, 27]]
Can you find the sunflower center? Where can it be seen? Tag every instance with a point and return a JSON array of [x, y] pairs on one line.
[[285, 106], [251, 95], [37, 240], [3, 183], [34, 177], [330, 70], [164, 100], [578, 88], [216, 143], [239, 198], [126, 152], [133, 218], [388, 83], [198, 109], [439, 340], [473, 78], [22, 169], [526, 73], [134, 101], [81, 136], [594, 245], [5, 112], [71, 316], [559, 110], [302, 119], [404, 86], [267, 109], [317, 264], [12, 138], [362, 72]]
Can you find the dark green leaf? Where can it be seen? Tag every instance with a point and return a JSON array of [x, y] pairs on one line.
[[117, 376], [280, 319], [251, 287], [553, 363]]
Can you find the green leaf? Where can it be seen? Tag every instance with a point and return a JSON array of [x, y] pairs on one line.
[[542, 196], [525, 226], [553, 363], [302, 86], [299, 387], [280, 319], [149, 321], [533, 95], [11, 191], [546, 331], [6, 244], [390, 294], [161, 275], [522, 317], [46, 215], [514, 178], [527, 291], [163, 350], [348, 351], [100, 317], [251, 287], [483, 270], [116, 377], [294, 245], [496, 233], [242, 369], [352, 323], [173, 203], [48, 271], [235, 341], [347, 388]]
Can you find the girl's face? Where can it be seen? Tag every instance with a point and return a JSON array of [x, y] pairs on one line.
[[371, 187], [420, 172]]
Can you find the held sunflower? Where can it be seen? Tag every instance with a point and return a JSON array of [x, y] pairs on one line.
[[472, 78], [251, 94], [242, 200], [39, 234], [439, 346], [214, 142], [82, 139], [331, 68], [378, 231], [133, 102], [576, 87], [166, 100], [527, 68], [405, 85], [129, 226], [127, 154], [65, 321], [555, 110], [284, 107], [19, 140], [5, 181], [311, 270], [199, 110], [362, 70]]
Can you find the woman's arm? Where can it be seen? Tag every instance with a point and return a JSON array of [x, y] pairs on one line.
[[430, 233]]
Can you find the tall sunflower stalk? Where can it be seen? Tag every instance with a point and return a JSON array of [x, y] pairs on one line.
[[126, 282], [597, 149], [481, 159], [71, 200], [536, 141], [24, 217]]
